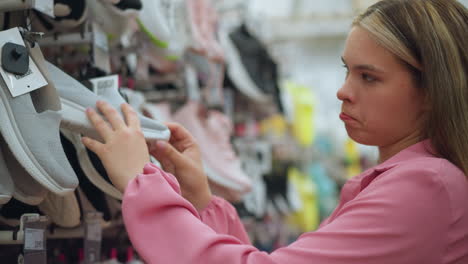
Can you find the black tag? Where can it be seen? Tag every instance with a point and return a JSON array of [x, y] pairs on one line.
[[15, 58]]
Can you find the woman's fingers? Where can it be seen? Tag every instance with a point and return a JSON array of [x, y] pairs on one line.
[[181, 139], [102, 127], [93, 145], [111, 114], [178, 132], [131, 116]]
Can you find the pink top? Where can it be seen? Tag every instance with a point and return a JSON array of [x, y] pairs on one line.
[[411, 209]]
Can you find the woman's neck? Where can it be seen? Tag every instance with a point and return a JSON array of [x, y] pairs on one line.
[[386, 152]]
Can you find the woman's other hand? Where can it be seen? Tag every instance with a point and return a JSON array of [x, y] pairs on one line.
[[181, 157]]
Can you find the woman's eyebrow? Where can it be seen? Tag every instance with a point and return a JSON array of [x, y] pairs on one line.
[[367, 67]]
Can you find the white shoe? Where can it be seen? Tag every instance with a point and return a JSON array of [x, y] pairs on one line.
[[76, 98]]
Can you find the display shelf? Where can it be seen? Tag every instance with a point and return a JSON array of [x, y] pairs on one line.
[[16, 237]]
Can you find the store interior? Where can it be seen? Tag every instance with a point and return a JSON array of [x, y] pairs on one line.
[[254, 81]]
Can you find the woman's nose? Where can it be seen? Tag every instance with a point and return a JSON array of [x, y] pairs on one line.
[[345, 93]]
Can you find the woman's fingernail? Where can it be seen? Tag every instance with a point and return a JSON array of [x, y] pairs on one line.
[[160, 145]]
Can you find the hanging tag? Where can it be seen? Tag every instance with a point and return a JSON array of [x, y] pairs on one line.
[[35, 248], [100, 49], [44, 6], [104, 85], [19, 85], [93, 237]]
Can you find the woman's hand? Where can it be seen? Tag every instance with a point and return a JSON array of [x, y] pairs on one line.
[[181, 157], [124, 152]]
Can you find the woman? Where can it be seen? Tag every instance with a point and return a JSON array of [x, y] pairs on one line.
[[405, 92]]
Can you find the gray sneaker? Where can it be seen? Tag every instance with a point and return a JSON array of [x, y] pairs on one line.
[[26, 189], [31, 131], [6, 183], [75, 98]]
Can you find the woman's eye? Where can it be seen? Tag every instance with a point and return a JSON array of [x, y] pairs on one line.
[[368, 78], [347, 70]]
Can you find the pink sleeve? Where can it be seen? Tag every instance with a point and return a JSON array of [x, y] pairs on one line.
[[386, 223], [222, 217]]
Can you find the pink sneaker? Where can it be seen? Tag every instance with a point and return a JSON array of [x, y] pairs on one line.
[[212, 134], [203, 19]]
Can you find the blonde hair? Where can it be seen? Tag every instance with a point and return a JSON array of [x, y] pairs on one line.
[[430, 37]]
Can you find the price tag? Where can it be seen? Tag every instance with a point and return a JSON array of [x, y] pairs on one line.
[[93, 237], [94, 232], [35, 243], [104, 85], [44, 6], [19, 85], [34, 239]]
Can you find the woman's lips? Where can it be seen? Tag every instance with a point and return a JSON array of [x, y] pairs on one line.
[[346, 117]]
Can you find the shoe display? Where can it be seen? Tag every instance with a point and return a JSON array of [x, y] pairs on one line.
[[33, 136], [75, 98]]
